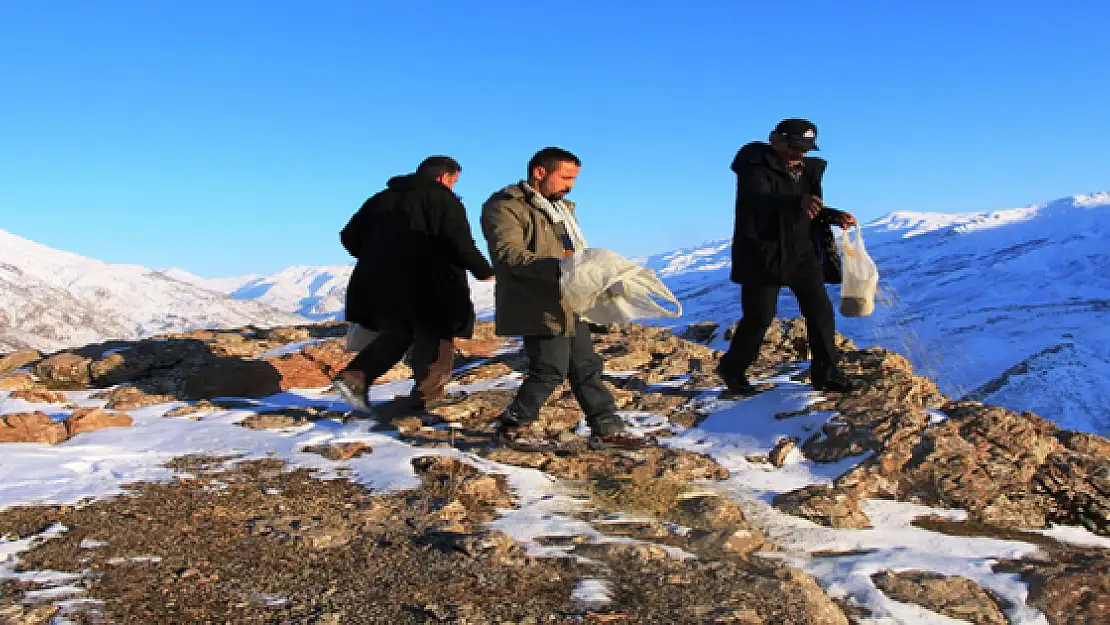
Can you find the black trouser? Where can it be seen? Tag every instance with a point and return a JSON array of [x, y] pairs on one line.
[[759, 303], [552, 359], [431, 359]]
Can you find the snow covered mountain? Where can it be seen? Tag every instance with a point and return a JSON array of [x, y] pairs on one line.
[[1008, 306], [54, 299], [317, 293]]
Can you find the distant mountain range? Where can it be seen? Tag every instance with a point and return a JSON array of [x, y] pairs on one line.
[[53, 300]]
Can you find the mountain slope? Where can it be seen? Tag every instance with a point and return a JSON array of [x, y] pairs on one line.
[[314, 292], [55, 299], [967, 297]]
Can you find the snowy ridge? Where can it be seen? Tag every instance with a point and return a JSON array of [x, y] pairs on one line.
[[55, 299], [315, 292]]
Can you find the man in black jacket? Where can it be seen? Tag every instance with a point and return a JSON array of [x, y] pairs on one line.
[[781, 238], [414, 247]]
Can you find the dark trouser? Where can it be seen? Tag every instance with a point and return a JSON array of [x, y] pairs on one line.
[[431, 359], [759, 303], [552, 359]]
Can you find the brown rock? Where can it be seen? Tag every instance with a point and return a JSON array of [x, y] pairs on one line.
[[40, 396], [17, 381], [17, 359], [340, 451], [31, 427], [110, 370], [476, 347], [64, 372], [630, 361], [298, 371], [1069, 587], [955, 597], [483, 373], [740, 542], [90, 419], [273, 421], [825, 506], [193, 410], [399, 372], [711, 512], [778, 454], [131, 398], [285, 335], [637, 553], [331, 355], [819, 608]]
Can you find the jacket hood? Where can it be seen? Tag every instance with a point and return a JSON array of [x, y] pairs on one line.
[[762, 152], [408, 182]]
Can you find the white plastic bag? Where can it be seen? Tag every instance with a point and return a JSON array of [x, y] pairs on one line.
[[358, 337], [861, 276], [587, 275]]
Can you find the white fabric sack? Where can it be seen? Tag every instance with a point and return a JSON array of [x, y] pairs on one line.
[[861, 276], [358, 337], [587, 275]]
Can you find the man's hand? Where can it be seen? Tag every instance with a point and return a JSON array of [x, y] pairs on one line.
[[845, 220], [489, 279], [812, 205]]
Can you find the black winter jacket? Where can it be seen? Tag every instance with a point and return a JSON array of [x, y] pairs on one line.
[[774, 241], [414, 247]]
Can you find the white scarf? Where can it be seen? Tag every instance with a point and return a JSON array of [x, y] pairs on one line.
[[559, 212]]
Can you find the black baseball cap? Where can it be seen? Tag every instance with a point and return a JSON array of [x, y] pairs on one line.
[[800, 134]]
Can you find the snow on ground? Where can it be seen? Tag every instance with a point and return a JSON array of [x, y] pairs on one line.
[[97, 464]]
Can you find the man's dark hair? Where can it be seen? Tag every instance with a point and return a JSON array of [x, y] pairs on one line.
[[549, 159], [435, 166]]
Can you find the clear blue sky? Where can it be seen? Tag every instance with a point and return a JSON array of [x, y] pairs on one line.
[[227, 137]]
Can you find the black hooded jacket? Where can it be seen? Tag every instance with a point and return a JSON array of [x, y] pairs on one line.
[[774, 240], [414, 246]]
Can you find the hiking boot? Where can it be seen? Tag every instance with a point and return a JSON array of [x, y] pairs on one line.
[[520, 437], [835, 382], [609, 432], [736, 385], [352, 387]]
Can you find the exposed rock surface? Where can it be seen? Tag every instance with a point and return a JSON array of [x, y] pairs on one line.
[[955, 597], [1008, 470]]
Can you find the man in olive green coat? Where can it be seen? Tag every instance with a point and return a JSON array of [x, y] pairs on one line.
[[530, 227]]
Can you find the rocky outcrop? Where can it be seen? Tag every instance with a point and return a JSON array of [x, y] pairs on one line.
[[1070, 586], [31, 427], [91, 419], [955, 597], [18, 359]]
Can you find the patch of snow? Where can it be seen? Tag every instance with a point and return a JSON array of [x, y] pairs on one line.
[[591, 593]]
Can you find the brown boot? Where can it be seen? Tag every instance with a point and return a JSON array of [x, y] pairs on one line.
[[352, 386]]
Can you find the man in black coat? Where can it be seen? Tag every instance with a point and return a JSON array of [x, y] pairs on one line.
[[414, 247], [782, 238]]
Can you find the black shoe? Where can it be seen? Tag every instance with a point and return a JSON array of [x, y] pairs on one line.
[[836, 382], [736, 385]]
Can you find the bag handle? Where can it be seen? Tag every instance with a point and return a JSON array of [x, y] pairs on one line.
[[852, 247], [654, 286]]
